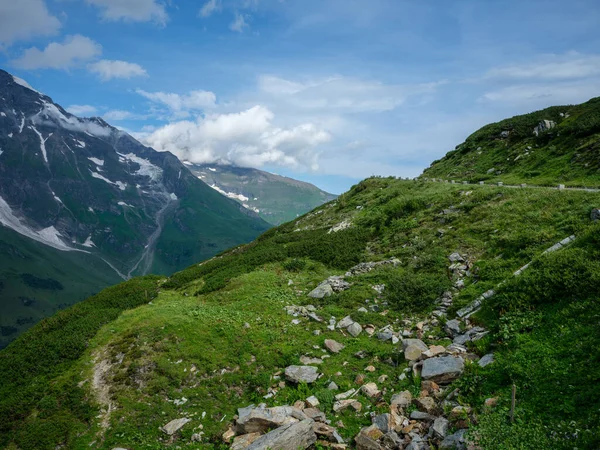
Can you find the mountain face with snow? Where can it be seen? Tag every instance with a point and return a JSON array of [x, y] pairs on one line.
[[84, 205], [275, 198]]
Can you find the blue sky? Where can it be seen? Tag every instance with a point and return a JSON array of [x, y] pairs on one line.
[[327, 91]]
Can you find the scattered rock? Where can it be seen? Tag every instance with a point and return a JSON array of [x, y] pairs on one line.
[[307, 360], [385, 335], [452, 328], [440, 427], [332, 386], [301, 374], [327, 432], [345, 322], [333, 346], [312, 401], [294, 436], [455, 257], [370, 390], [442, 369], [258, 419], [486, 360], [402, 399], [595, 214], [343, 404], [175, 425], [419, 415], [354, 329], [243, 441], [321, 291], [345, 395]]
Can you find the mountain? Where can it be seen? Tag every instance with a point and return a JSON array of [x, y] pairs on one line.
[[559, 144], [84, 205], [404, 314], [275, 198]]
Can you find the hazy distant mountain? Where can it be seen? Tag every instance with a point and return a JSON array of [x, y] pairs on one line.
[[84, 205], [275, 198]]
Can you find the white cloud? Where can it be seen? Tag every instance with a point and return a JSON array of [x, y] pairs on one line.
[[239, 23], [181, 105], [108, 70], [120, 114], [132, 10], [209, 8], [572, 65], [247, 138], [344, 94], [544, 94], [23, 19], [82, 110], [73, 50]]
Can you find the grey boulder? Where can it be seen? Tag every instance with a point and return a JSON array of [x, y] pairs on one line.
[[299, 435], [301, 374], [442, 369]]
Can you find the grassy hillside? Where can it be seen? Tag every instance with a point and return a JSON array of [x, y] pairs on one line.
[[509, 151], [215, 337], [36, 281]]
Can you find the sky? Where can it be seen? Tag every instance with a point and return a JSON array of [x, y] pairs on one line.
[[326, 91]]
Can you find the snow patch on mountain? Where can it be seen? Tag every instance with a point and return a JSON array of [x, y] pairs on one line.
[[233, 195], [42, 142], [22, 125], [119, 184], [79, 143], [49, 236], [25, 84], [251, 208], [212, 170], [187, 163], [98, 162], [147, 169], [125, 204], [88, 242], [10, 135], [3, 114], [173, 196]]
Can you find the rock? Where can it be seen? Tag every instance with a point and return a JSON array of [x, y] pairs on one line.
[[301, 374], [228, 435], [370, 390], [306, 360], [419, 415], [362, 309], [332, 386], [333, 346], [243, 441], [294, 436], [434, 350], [459, 413], [543, 126], [337, 283], [354, 329], [490, 403], [413, 353], [345, 395], [442, 369], [426, 404], [402, 399], [455, 257], [321, 291], [370, 330], [486, 360], [379, 288], [360, 379], [327, 432], [312, 401], [595, 214], [440, 427], [392, 440], [382, 378], [385, 335], [416, 342], [175, 425], [367, 438], [454, 441], [253, 419], [430, 386], [343, 404], [315, 414], [370, 369], [345, 322], [452, 327], [383, 422]]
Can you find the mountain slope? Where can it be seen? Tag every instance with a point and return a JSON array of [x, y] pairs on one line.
[[560, 144], [218, 336], [275, 198], [80, 186]]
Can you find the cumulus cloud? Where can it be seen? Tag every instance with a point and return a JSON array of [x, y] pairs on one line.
[[108, 70], [209, 8], [246, 138], [72, 50], [23, 19], [181, 105], [132, 10], [82, 110], [543, 94], [572, 65], [239, 23]]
